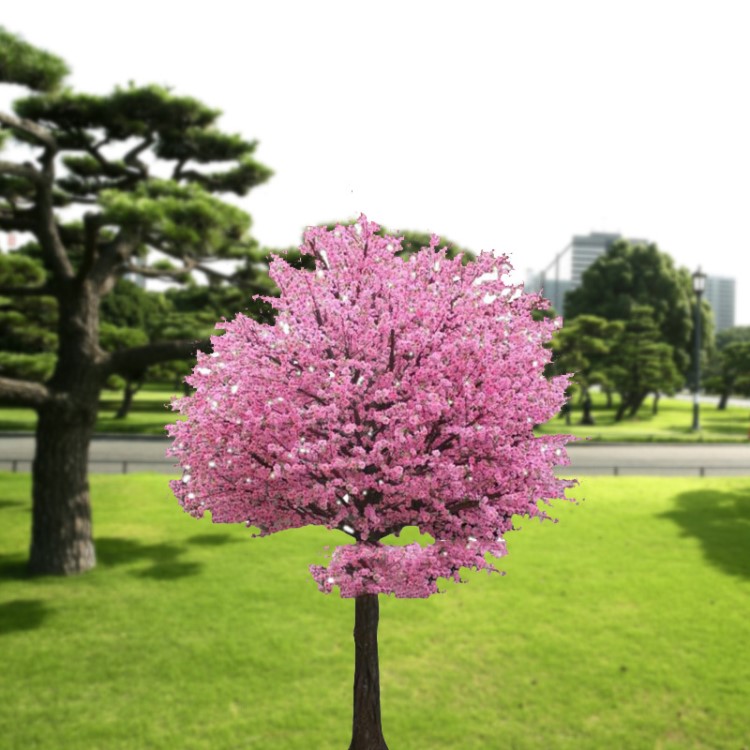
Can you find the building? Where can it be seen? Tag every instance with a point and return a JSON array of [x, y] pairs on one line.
[[720, 294], [564, 273], [585, 249], [566, 270], [554, 289]]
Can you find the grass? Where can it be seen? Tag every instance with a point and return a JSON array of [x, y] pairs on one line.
[[673, 423], [149, 414], [623, 626]]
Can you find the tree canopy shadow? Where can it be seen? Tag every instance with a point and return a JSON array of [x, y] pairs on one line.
[[212, 540], [11, 504], [721, 523], [22, 614], [165, 565], [14, 568]]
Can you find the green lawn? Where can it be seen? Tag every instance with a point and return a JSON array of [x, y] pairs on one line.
[[673, 423], [148, 416], [624, 626]]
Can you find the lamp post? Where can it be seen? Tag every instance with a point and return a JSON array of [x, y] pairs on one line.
[[699, 285]]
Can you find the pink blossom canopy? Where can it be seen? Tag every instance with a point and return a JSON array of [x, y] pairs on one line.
[[389, 393]]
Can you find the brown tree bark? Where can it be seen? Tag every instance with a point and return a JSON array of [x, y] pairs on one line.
[[61, 539], [723, 400], [587, 405], [61, 535], [132, 386], [367, 732]]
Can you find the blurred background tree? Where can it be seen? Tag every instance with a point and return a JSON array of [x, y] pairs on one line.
[[729, 367], [629, 276], [642, 362], [583, 346]]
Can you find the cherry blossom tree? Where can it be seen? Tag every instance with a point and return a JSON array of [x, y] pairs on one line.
[[388, 394]]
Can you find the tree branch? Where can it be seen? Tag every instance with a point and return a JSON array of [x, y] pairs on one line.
[[26, 291], [177, 173], [210, 271], [198, 177], [43, 135], [392, 355], [16, 223], [22, 392], [26, 171], [93, 150], [132, 159], [136, 359], [91, 226], [165, 273], [114, 254], [81, 199]]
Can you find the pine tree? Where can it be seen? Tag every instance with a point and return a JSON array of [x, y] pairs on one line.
[[144, 167]]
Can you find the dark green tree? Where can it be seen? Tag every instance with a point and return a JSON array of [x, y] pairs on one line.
[[131, 316], [27, 324], [729, 367], [145, 167], [583, 347], [641, 363], [631, 275]]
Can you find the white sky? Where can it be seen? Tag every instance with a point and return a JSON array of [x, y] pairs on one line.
[[506, 126]]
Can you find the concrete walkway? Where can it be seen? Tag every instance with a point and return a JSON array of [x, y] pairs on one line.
[[122, 454]]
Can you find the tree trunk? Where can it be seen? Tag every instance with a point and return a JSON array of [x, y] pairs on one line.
[[367, 733], [655, 405], [132, 386], [587, 404], [637, 402], [723, 400], [565, 412], [61, 541], [621, 409]]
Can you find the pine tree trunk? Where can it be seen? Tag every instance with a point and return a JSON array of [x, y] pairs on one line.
[[586, 404], [61, 540], [132, 386], [621, 409], [367, 733], [637, 403]]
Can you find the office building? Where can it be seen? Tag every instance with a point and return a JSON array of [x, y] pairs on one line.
[[565, 272], [585, 249], [720, 295], [554, 289]]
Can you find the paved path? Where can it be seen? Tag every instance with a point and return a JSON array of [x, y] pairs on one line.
[[148, 454], [663, 459]]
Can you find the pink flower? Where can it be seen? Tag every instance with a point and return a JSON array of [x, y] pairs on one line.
[[388, 394]]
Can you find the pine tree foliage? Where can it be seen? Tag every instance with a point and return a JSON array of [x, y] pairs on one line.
[[126, 183]]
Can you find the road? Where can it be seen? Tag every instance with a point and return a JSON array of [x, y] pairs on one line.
[[126, 454]]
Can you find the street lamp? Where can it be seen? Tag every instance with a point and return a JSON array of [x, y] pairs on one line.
[[699, 286]]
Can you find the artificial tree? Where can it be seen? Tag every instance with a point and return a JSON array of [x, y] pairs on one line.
[[389, 393]]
